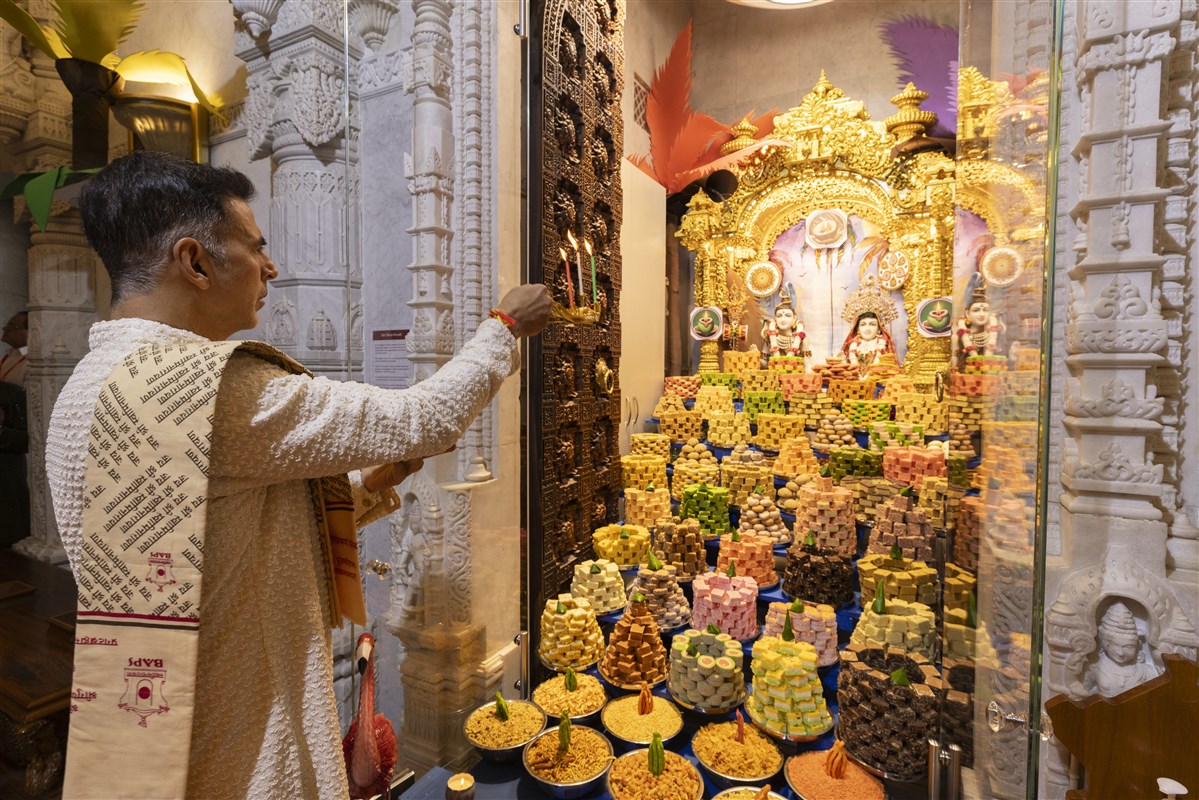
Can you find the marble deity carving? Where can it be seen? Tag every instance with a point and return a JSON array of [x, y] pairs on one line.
[[977, 332], [1124, 659], [784, 334], [871, 313]]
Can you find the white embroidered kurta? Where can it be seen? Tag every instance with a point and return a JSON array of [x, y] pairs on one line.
[[266, 719]]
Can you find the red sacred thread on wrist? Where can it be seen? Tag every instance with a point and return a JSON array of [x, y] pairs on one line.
[[502, 317]]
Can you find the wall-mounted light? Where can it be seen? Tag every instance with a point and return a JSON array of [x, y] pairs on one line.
[[162, 118]]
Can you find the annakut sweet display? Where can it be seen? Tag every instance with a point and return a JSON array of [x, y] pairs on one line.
[[576, 695], [680, 543], [737, 750], [814, 623], [623, 544], [827, 512], [709, 505], [905, 579], [787, 698], [713, 398], [818, 574], [815, 778], [570, 634], [834, 431], [775, 429], [658, 583], [635, 651], [639, 470], [707, 669], [796, 458], [644, 506], [571, 754], [911, 464], [681, 425], [761, 517], [503, 723], [637, 717], [751, 555], [650, 444], [729, 603], [908, 626], [900, 523], [600, 582], [728, 429], [644, 775]]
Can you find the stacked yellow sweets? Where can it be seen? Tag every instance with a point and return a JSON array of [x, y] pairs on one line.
[[570, 634], [923, 410], [667, 402], [812, 406], [842, 390], [600, 583], [775, 429], [650, 444], [695, 464], [939, 499], [680, 543], [827, 512], [787, 697], [959, 585], [728, 429], [738, 361], [905, 579], [681, 425], [713, 398], [834, 431], [644, 506], [743, 471], [796, 458], [908, 626], [759, 380], [624, 544], [637, 470], [814, 623], [870, 492], [895, 386]]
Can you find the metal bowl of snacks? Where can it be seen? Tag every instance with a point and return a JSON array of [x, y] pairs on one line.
[[486, 731], [583, 705], [746, 793], [622, 722], [628, 760], [548, 773], [717, 739]]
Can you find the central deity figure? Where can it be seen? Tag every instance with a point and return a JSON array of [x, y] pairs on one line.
[[870, 312]]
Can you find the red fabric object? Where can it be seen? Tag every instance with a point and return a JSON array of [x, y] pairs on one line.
[[370, 746]]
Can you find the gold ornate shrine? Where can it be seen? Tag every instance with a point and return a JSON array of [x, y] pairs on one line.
[[830, 155]]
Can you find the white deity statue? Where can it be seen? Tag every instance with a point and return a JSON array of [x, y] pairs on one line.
[[784, 334], [1124, 658]]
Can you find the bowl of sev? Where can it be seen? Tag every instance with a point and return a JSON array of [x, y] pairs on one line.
[[582, 705], [728, 762], [571, 773], [630, 728], [747, 793], [829, 775], [498, 739], [630, 778]]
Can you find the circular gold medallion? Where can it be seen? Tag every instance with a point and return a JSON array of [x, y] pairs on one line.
[[1001, 266], [763, 278], [893, 269]]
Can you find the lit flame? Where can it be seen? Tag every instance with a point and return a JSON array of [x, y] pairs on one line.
[[587, 244], [570, 236], [562, 253]]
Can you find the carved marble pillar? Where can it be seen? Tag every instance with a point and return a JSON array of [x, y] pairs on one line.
[[295, 113], [1116, 500]]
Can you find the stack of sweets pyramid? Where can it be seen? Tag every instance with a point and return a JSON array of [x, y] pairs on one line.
[[729, 379], [910, 627], [968, 643], [991, 365], [761, 517], [911, 464], [600, 583], [728, 429], [939, 498], [750, 555], [1026, 359], [895, 386], [792, 383], [864, 412], [623, 544], [759, 380], [967, 384], [901, 522], [713, 398], [1017, 435], [684, 386], [690, 473], [967, 410], [814, 623], [923, 410], [770, 402], [827, 512], [738, 361], [667, 402], [787, 696], [681, 425], [914, 581], [955, 468], [706, 669], [680, 543], [834, 431], [743, 472], [1016, 383], [959, 585], [731, 604], [644, 506], [961, 442], [817, 574], [842, 390], [650, 444], [812, 406], [709, 505], [785, 364], [788, 495], [836, 369], [846, 461], [796, 458], [638, 470], [895, 434], [884, 368], [774, 429], [570, 634], [635, 652], [1017, 408], [869, 493], [695, 450], [663, 595], [966, 538]]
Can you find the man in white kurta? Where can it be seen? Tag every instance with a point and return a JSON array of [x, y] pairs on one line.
[[265, 723]]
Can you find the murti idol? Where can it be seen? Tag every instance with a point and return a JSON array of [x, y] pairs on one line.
[[871, 313], [784, 334], [977, 332], [1124, 661]]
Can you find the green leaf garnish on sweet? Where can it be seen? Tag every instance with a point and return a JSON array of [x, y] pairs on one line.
[[564, 733], [971, 611], [657, 756], [905, 491], [758, 490], [637, 597], [571, 680], [879, 606], [713, 628], [810, 539], [649, 487], [736, 536], [896, 554], [655, 563], [993, 483], [826, 472], [692, 649], [900, 677], [561, 607], [788, 632], [796, 607], [732, 570], [624, 533], [595, 569], [501, 707]]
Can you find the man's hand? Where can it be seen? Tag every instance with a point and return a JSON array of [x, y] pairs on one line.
[[376, 479], [529, 305]]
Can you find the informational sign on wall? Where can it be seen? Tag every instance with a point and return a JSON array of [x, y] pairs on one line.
[[390, 367]]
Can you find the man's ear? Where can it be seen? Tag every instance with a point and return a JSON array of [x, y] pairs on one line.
[[192, 261]]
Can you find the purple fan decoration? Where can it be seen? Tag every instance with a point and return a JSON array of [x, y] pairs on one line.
[[927, 55]]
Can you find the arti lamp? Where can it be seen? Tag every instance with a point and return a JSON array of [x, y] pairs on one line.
[[164, 118]]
